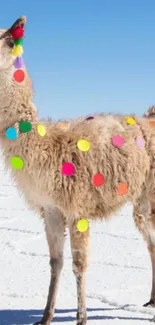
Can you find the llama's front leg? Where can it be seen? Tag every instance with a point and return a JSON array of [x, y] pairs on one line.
[[55, 233], [79, 247]]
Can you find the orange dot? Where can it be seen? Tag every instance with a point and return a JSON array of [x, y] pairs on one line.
[[122, 189], [98, 179], [152, 123], [62, 125], [19, 75]]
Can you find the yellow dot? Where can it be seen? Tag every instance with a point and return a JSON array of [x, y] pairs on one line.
[[130, 120], [82, 225], [17, 51], [41, 130], [83, 145]]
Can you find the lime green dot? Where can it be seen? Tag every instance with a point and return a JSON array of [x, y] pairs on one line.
[[17, 162], [25, 126], [18, 41]]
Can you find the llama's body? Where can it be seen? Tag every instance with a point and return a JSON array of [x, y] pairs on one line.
[[41, 179], [62, 200]]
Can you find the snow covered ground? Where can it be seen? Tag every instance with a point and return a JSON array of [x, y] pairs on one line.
[[118, 277]]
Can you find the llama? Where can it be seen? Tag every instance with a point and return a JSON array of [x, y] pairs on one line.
[[74, 172]]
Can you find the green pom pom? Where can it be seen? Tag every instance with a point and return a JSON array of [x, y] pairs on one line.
[[19, 41]]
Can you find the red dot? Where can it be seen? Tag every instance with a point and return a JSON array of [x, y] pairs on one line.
[[98, 179], [19, 75], [68, 169]]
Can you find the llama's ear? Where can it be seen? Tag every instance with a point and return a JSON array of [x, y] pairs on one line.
[[5, 34], [19, 22]]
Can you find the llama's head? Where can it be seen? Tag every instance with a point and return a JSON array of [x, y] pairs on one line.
[[7, 44], [15, 85]]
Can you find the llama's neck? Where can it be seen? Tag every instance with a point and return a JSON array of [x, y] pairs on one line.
[[15, 99]]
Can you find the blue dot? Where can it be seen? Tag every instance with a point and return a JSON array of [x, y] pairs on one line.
[[11, 133]]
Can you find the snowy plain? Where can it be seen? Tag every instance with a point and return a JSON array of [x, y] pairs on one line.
[[118, 276]]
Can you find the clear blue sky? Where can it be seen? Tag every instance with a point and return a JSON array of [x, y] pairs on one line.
[[88, 56]]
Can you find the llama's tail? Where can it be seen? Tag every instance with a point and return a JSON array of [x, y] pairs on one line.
[[150, 113]]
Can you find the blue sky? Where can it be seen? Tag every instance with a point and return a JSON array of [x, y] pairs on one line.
[[88, 56]]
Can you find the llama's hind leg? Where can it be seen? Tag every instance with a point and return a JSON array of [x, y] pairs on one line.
[[79, 247], [151, 248], [55, 233], [144, 216]]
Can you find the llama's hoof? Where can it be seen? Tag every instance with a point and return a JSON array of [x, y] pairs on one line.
[[153, 320], [150, 303], [81, 320]]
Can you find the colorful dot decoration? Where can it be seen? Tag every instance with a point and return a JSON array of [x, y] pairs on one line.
[[17, 32], [89, 118], [122, 189], [82, 225], [130, 120], [18, 64], [17, 51], [83, 145], [17, 162], [19, 75], [11, 133], [152, 123], [18, 37], [41, 130], [140, 142], [19, 41], [25, 126], [62, 125], [98, 179], [117, 141], [68, 169]]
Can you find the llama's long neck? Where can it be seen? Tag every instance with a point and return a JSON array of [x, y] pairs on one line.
[[15, 99]]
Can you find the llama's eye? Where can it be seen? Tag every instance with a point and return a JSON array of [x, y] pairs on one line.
[[10, 43]]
